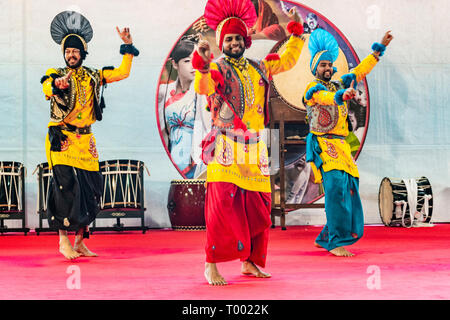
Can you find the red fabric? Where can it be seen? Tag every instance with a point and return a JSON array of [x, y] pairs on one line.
[[274, 32], [234, 26], [272, 56], [198, 63], [237, 223], [248, 42], [208, 145], [238, 124], [174, 98], [268, 23], [217, 77], [218, 10], [295, 28]]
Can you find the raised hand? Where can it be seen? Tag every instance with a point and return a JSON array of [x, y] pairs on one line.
[[350, 93], [204, 49], [63, 82], [125, 35], [387, 38], [200, 25]]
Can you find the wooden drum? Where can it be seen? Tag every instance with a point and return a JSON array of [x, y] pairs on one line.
[[186, 204]]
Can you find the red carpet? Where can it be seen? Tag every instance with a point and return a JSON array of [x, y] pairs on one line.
[[390, 263]]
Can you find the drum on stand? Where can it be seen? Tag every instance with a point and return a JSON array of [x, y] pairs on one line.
[[12, 195], [44, 177], [122, 195], [11, 186], [186, 204], [122, 184], [396, 197]]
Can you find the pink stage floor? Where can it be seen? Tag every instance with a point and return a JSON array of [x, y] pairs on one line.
[[390, 264]]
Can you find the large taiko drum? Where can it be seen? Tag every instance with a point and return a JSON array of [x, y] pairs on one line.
[[11, 186], [186, 204], [123, 184], [290, 85], [405, 202]]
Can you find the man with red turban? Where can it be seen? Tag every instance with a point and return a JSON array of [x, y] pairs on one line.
[[238, 195]]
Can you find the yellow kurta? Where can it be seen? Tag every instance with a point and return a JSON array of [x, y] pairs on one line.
[[247, 165], [79, 150], [336, 153]]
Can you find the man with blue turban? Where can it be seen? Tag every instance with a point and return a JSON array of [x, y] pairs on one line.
[[327, 150]]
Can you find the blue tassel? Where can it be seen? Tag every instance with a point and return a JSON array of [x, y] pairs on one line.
[[338, 97], [318, 87], [347, 79], [379, 48]]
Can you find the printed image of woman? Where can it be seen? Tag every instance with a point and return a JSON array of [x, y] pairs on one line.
[[183, 116]]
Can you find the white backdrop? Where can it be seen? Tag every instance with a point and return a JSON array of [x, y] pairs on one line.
[[408, 134]]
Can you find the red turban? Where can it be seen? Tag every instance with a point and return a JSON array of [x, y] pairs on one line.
[[232, 25]]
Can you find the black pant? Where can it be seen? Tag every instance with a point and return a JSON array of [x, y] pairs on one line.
[[73, 194]]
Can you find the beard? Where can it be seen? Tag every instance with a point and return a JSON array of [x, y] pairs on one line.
[[326, 76], [234, 55], [74, 66]]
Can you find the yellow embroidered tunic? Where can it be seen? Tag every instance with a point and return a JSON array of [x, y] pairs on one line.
[[336, 152], [79, 150], [247, 164]]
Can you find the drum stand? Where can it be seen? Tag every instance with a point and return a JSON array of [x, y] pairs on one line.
[[117, 211], [120, 214], [43, 177], [104, 214], [280, 114], [18, 214], [9, 215]]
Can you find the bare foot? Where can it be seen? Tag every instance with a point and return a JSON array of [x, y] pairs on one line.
[[249, 268], [81, 248], [341, 252], [65, 248], [213, 276], [317, 245]]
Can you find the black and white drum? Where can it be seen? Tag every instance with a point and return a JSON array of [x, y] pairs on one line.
[[11, 186], [405, 202], [12, 195], [44, 177], [123, 184]]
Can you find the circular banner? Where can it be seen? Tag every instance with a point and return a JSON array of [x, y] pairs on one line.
[[183, 120]]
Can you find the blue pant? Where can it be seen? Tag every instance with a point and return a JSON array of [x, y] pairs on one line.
[[343, 209]]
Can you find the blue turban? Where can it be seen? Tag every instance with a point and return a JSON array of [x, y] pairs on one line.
[[323, 47]]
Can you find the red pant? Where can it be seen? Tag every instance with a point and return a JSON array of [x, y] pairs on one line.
[[237, 223]]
